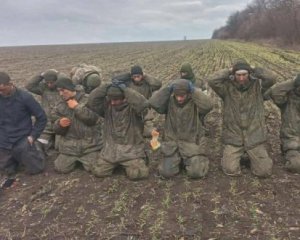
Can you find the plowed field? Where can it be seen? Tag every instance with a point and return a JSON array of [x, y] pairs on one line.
[[80, 206]]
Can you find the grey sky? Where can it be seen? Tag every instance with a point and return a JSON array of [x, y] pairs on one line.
[[29, 22]]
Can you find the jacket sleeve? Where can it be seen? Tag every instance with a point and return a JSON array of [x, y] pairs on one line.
[[279, 92], [36, 111], [136, 100], [160, 100], [85, 115], [58, 129], [97, 99], [35, 85], [154, 83], [217, 80], [202, 101], [200, 83], [268, 78]]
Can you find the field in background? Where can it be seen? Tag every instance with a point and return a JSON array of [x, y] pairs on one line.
[[80, 206]]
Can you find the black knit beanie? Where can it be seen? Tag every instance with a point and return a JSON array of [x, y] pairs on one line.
[[4, 78], [136, 70], [65, 83]]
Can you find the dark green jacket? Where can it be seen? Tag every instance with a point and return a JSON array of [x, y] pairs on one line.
[[243, 109], [147, 87], [50, 97], [288, 101], [84, 134], [123, 127], [183, 125]]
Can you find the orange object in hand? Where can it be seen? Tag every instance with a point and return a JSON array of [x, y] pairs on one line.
[[72, 103], [64, 122], [155, 144]]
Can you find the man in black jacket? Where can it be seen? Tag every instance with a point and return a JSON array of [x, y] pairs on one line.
[[17, 131]]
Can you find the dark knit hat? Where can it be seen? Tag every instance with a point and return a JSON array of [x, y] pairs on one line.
[[187, 68], [297, 81], [4, 78], [114, 92], [136, 70], [241, 64], [181, 86], [65, 82], [50, 75]]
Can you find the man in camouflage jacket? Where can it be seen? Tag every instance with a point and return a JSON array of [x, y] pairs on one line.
[[186, 72], [87, 76], [286, 96], [145, 85], [44, 85], [122, 109], [184, 106], [79, 128], [244, 130]]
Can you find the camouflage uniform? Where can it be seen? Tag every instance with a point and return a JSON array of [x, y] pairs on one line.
[[187, 68], [288, 101], [50, 98], [184, 132], [147, 86], [82, 140], [81, 74], [123, 129], [244, 127]]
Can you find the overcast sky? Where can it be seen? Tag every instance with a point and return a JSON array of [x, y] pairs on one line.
[[31, 22]]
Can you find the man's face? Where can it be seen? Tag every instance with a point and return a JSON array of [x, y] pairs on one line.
[[6, 89], [66, 94], [50, 84], [241, 78], [183, 74], [115, 102], [181, 98], [137, 78]]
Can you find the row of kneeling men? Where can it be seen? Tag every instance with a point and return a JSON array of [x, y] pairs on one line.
[[103, 125]]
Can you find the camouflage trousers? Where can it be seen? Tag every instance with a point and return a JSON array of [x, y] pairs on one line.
[[261, 163], [67, 163], [292, 158], [135, 168], [196, 166]]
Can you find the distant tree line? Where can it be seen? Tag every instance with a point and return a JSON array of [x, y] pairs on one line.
[[277, 20]]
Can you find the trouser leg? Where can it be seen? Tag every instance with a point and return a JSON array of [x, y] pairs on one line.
[[261, 163], [292, 158], [197, 166], [88, 160], [169, 165], [29, 156], [65, 163], [8, 165], [231, 160], [102, 168], [136, 169]]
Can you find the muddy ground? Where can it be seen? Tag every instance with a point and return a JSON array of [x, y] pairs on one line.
[[80, 206]]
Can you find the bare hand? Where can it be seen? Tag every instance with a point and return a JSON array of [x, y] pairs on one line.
[[72, 103], [154, 133], [64, 122], [30, 140]]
